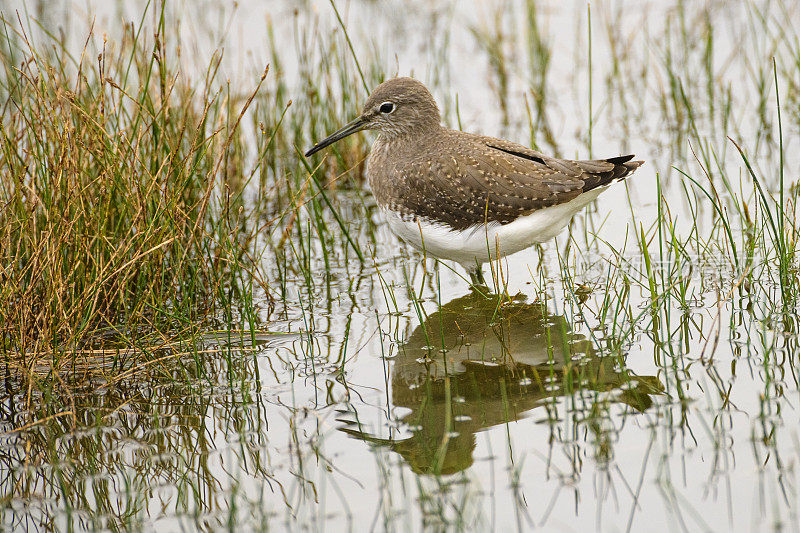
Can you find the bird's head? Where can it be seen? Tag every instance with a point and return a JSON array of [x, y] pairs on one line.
[[400, 106]]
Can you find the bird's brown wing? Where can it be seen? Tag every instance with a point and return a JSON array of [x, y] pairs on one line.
[[482, 179], [593, 172]]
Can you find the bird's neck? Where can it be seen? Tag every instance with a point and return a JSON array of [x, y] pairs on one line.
[[385, 179], [411, 137]]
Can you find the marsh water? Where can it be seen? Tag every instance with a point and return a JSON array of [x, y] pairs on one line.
[[637, 373]]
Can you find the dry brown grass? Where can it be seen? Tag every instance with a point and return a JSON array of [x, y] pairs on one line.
[[115, 178]]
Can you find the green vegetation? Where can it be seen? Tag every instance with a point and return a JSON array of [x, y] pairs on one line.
[[121, 192], [201, 329]]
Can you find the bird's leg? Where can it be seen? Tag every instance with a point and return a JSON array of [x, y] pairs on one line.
[[476, 275]]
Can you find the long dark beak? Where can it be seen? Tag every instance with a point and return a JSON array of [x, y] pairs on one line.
[[352, 127]]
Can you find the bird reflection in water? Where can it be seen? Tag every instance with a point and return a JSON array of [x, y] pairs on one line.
[[483, 361]]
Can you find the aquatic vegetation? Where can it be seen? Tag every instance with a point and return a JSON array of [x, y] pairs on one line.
[[202, 329]]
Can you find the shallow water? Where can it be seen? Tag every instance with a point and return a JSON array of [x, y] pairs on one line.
[[387, 395]]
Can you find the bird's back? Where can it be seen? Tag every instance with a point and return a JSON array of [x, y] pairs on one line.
[[463, 180]]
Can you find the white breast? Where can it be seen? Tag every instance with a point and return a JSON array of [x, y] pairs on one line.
[[486, 242]]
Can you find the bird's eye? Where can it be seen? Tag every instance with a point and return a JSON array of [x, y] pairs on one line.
[[387, 107]]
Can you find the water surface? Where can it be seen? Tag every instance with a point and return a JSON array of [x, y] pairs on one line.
[[386, 394]]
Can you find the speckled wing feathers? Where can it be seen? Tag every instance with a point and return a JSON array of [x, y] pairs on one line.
[[463, 180]]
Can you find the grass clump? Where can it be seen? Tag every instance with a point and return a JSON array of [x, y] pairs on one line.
[[116, 173]]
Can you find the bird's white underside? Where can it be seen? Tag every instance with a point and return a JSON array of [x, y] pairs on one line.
[[485, 242]]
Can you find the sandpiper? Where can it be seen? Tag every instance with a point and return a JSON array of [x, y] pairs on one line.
[[466, 197]]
